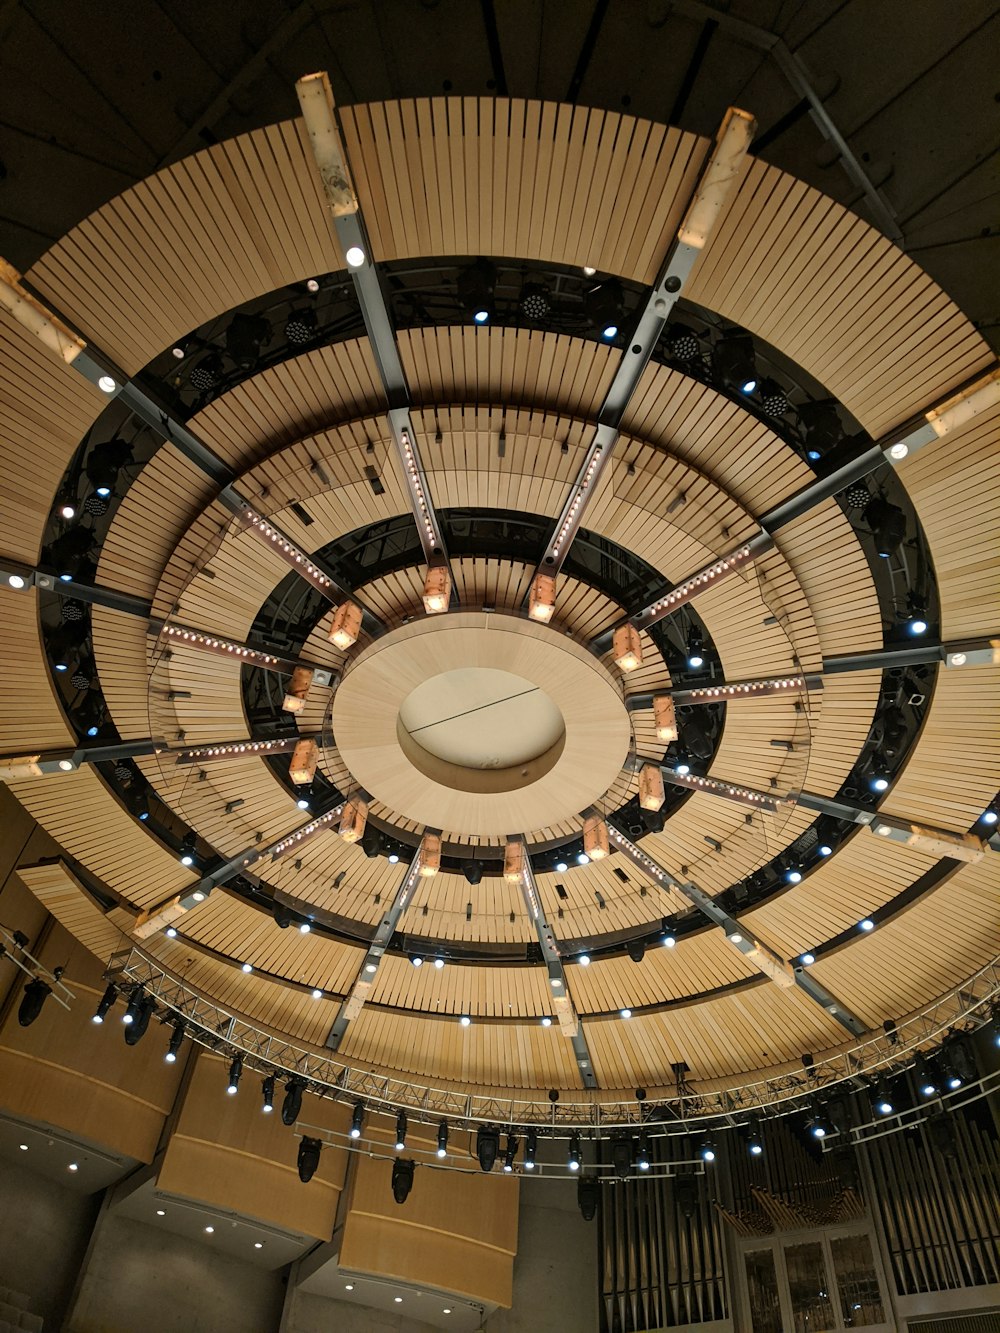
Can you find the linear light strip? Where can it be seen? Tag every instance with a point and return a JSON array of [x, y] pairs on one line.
[[705, 578], [204, 642], [225, 750], [428, 524], [301, 835], [288, 551]]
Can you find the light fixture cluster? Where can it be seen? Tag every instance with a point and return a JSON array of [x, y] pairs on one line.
[[224, 647], [417, 487], [581, 488], [314, 826], [697, 583], [747, 689], [289, 552]]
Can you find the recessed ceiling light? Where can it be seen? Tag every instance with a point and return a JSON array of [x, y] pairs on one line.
[[106, 384], [258, 1244], [23, 1147], [209, 1230], [73, 1167], [899, 450], [465, 1020], [15, 580], [348, 1286], [626, 1013], [355, 256], [312, 285], [248, 967], [161, 1212], [446, 1310], [588, 272], [398, 1300], [317, 994]]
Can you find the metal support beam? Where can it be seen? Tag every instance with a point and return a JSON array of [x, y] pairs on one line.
[[562, 1002], [186, 636], [361, 991], [761, 955], [316, 100], [714, 186]]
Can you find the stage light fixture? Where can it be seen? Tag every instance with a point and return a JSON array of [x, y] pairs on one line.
[[357, 1120], [300, 327], [734, 361], [636, 950], [642, 1156], [402, 1179], [292, 1103], [807, 959], [267, 1094], [105, 1003], [104, 462], [588, 1196], [887, 523], [136, 1029], [401, 1131], [534, 301], [820, 1127], [308, 1159], [476, 288], [235, 1074], [487, 1146], [245, 337], [206, 373], [882, 1098], [866, 925], [187, 850], [575, 1157], [605, 307], [530, 1150], [510, 1154], [174, 1045], [35, 994], [682, 343], [442, 1139], [755, 1145], [707, 1151], [773, 399]]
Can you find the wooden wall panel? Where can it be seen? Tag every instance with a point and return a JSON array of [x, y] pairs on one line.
[[225, 1153], [457, 1231]]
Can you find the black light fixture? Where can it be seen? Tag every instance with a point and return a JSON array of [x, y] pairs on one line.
[[636, 950], [235, 1073], [823, 430], [35, 994], [105, 1003], [773, 399], [809, 1064], [682, 343], [534, 302], [187, 851], [575, 1158], [292, 1103], [588, 1196], [401, 1131], [402, 1179], [605, 306], [283, 916], [300, 327], [245, 337], [694, 649], [69, 550], [174, 1045], [476, 286], [735, 362], [487, 1146], [473, 871], [442, 1148], [621, 1155], [206, 373], [707, 1151], [530, 1149], [695, 734], [510, 1154], [755, 1144], [136, 1030], [889, 1028], [104, 462], [820, 1127], [267, 1094], [309, 1151], [357, 1120], [642, 1155], [924, 1076], [881, 1098], [887, 523]]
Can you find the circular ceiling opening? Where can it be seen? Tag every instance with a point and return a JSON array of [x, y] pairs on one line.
[[482, 724]]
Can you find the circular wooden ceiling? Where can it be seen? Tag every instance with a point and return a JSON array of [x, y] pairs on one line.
[[692, 476]]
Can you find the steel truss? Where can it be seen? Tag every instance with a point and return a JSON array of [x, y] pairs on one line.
[[966, 1007]]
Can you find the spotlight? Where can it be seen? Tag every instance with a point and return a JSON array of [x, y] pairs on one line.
[[866, 925], [808, 1064], [682, 343], [636, 950], [465, 1020], [176, 1037], [206, 373], [35, 993], [357, 1120], [819, 1127], [300, 327], [401, 1131], [136, 1030], [824, 849], [621, 1156], [546, 1021], [487, 1146], [66, 504], [562, 867], [187, 850], [642, 1157], [416, 959], [823, 430], [695, 652], [106, 1001], [588, 1196], [235, 1073], [442, 1148], [355, 256], [267, 1094], [575, 1158], [794, 877], [605, 306], [582, 859], [889, 1028], [476, 285], [530, 1150], [245, 337], [807, 959], [668, 941], [309, 1151], [880, 784], [104, 462], [292, 1104], [707, 1151], [534, 302], [305, 927], [754, 1145], [887, 523], [283, 916], [402, 1179], [773, 399], [473, 871], [988, 817], [625, 1013], [439, 962], [917, 626], [584, 959], [734, 362], [881, 1099], [510, 1154]]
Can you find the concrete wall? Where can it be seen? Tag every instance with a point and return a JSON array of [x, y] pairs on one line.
[[555, 1271], [44, 1230]]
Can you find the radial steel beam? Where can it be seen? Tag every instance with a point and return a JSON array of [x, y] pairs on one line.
[[361, 991], [316, 100], [760, 954], [714, 187], [562, 1002]]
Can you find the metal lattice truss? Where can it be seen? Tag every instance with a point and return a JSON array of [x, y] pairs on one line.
[[966, 1007]]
